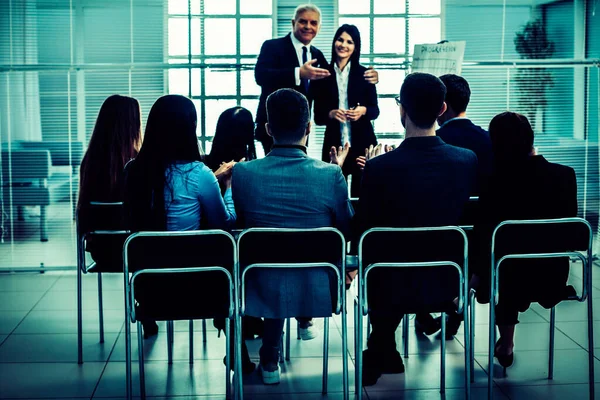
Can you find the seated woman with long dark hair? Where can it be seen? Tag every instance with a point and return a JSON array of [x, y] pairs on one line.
[[116, 140], [523, 186], [234, 138]]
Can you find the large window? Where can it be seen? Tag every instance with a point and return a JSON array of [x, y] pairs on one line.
[[216, 71]]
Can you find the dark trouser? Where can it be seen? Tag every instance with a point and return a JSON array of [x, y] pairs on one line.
[[507, 314], [383, 333], [269, 352]]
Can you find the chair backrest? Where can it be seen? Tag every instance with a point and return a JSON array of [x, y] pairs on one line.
[[266, 246], [25, 165], [180, 275], [427, 270], [102, 232], [542, 239], [470, 213]]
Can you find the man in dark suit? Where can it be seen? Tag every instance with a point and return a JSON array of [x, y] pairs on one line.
[[291, 62], [424, 182], [288, 189], [456, 129]]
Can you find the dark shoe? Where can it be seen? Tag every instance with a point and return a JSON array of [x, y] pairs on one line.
[[248, 366], [453, 322], [504, 360], [150, 328], [371, 368], [392, 363], [426, 324]]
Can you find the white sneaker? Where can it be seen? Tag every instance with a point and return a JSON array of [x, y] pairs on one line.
[[270, 377], [308, 333]]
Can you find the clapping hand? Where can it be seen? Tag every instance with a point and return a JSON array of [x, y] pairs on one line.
[[372, 152], [223, 173], [338, 156]]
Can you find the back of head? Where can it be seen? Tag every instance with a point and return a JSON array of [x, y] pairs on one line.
[[354, 33], [115, 140], [458, 92], [512, 138], [302, 8], [170, 132], [234, 137], [422, 97], [288, 116]]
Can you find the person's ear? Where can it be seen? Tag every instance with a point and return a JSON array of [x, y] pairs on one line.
[[293, 24], [307, 129], [268, 129], [443, 109]]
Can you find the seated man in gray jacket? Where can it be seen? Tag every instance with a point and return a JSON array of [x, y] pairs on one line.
[[288, 189]]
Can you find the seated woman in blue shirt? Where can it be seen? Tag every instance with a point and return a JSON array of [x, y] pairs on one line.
[[167, 187]]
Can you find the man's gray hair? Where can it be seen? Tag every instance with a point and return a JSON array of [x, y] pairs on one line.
[[306, 7]]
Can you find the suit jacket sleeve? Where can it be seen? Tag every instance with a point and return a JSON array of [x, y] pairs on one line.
[[371, 101], [368, 213], [321, 93], [268, 72]]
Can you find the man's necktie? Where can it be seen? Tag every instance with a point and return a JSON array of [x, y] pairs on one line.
[[304, 60]]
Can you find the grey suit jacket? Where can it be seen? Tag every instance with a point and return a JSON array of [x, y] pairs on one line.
[[287, 189]]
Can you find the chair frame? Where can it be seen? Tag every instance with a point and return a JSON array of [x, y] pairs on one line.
[[340, 306], [130, 316], [362, 307], [586, 294], [82, 268]]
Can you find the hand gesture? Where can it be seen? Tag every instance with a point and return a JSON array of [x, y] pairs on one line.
[[355, 113], [371, 75], [224, 171], [372, 152], [307, 71], [339, 114], [338, 156]]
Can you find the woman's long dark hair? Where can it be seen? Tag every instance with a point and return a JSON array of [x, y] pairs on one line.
[[170, 139], [234, 138], [512, 139], [354, 33], [115, 140]]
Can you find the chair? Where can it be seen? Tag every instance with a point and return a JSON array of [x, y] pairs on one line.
[[400, 257], [177, 264], [104, 239], [278, 248], [542, 239]]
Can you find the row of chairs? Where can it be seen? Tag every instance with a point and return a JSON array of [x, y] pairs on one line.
[[210, 269]]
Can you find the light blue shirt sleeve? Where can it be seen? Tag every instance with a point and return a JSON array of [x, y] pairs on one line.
[[220, 212]]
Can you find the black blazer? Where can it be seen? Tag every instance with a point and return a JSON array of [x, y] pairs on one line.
[[464, 133], [533, 189], [275, 69], [424, 182], [325, 95]]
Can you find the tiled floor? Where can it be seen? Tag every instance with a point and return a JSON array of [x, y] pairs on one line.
[[38, 357]]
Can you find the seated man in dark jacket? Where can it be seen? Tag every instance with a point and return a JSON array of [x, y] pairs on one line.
[[424, 182]]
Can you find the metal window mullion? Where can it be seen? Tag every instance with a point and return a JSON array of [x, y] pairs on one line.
[[238, 53], [202, 78], [189, 55]]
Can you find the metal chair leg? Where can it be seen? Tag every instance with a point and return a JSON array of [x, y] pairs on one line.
[[405, 322], [141, 360], [472, 333], [551, 345], [358, 356], [355, 305], [128, 379], [345, 378], [297, 332], [443, 356], [80, 318], [468, 347], [100, 308], [192, 341], [288, 338], [203, 331], [325, 354], [590, 333], [227, 360], [492, 342], [239, 382], [281, 349], [169, 342]]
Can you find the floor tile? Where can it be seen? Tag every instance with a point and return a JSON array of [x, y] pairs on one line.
[[19, 301], [67, 300], [178, 379], [66, 322], [531, 368], [548, 392], [451, 394], [10, 319], [68, 281], [60, 348], [48, 380], [577, 331], [27, 282]]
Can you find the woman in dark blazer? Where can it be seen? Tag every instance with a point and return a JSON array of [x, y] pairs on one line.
[[523, 185], [346, 103]]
